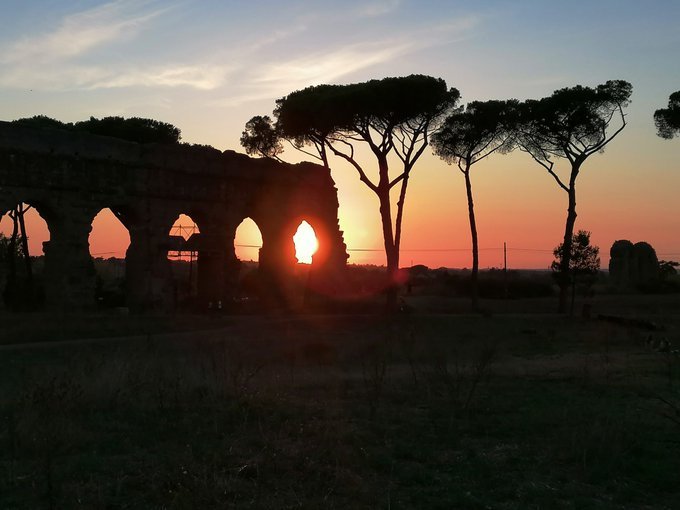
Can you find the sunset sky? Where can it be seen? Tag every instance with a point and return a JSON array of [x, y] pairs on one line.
[[208, 66]]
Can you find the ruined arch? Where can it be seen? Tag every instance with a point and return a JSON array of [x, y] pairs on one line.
[[76, 174]]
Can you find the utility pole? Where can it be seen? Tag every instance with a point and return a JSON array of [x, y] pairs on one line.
[[505, 270]]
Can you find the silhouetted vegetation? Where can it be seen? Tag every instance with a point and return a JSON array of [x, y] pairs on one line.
[[584, 258], [133, 129], [584, 264], [391, 116], [667, 120], [467, 137], [571, 125], [260, 138], [20, 291], [42, 122], [492, 283], [668, 275], [667, 268]]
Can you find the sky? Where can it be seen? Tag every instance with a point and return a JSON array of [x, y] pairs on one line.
[[208, 66]]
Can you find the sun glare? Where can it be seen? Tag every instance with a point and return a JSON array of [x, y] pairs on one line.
[[306, 243]]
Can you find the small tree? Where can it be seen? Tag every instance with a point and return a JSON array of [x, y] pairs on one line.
[[584, 263], [667, 120], [467, 137], [17, 292], [571, 124], [9, 250], [260, 137]]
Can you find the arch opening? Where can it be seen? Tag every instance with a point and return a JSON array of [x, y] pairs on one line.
[[183, 239], [248, 241], [23, 232], [247, 245], [109, 240], [306, 243]]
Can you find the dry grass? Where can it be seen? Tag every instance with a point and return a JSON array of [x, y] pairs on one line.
[[345, 412]]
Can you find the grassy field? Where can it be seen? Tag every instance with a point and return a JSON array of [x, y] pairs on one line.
[[422, 411]]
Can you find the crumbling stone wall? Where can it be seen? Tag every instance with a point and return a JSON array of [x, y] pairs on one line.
[[632, 265], [69, 177]]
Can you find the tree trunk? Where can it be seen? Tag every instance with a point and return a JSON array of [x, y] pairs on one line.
[[391, 251], [400, 212], [392, 305], [10, 286], [474, 276], [565, 272], [24, 248]]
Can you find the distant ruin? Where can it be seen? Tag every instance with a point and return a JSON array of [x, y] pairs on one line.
[[632, 264], [70, 176]]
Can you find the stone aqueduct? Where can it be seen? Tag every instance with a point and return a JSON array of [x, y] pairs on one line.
[[69, 177]]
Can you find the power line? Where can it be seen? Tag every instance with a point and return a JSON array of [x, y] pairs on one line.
[[530, 249], [448, 249]]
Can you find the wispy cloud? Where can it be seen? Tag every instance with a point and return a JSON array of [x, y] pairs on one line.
[[53, 60], [81, 32], [377, 8], [68, 56], [274, 79], [328, 66], [275, 37], [324, 67], [74, 77], [206, 77]]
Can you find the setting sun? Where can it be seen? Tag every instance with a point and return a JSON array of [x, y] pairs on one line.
[[306, 243]]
